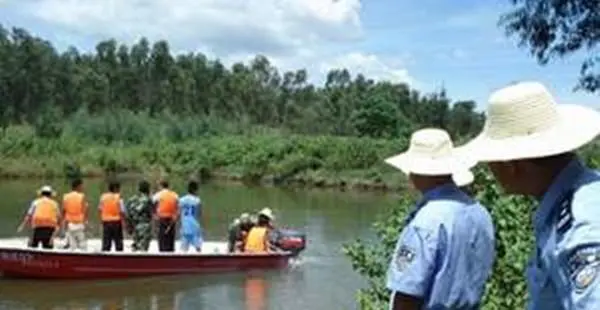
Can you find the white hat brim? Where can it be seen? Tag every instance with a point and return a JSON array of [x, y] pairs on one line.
[[576, 127], [410, 163]]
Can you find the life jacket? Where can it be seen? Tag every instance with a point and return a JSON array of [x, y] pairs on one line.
[[167, 204], [73, 207], [111, 207], [45, 213], [255, 241]]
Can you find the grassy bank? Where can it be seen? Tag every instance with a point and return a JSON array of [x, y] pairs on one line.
[[272, 158], [258, 157]]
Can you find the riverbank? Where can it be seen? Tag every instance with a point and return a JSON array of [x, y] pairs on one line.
[[269, 159]]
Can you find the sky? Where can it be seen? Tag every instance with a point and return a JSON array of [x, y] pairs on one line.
[[426, 43]]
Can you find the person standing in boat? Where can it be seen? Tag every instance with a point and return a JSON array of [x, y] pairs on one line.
[[167, 212], [75, 216], [257, 240], [138, 211], [112, 214], [43, 216], [190, 207]]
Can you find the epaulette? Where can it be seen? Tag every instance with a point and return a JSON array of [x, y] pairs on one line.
[[565, 214]]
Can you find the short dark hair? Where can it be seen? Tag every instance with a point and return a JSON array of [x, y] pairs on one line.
[[164, 183], [263, 220], [114, 186], [76, 183], [193, 186], [144, 187]]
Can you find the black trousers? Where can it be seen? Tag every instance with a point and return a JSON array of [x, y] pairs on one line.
[[166, 235], [42, 235], [112, 232]]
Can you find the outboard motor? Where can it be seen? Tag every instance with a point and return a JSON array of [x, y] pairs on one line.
[[288, 240]]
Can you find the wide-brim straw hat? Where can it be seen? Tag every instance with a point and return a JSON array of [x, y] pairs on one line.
[[431, 152], [524, 121], [267, 213], [46, 189]]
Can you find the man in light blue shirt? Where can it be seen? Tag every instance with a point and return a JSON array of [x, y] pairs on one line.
[[190, 209], [529, 143], [445, 253]]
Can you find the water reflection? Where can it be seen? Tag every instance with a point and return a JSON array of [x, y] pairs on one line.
[[255, 289], [162, 293]]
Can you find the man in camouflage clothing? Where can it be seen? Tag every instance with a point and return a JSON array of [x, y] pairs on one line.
[[138, 211], [237, 231]]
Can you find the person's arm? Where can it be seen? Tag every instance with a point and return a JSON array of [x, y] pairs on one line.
[[58, 221], [412, 267], [154, 201], [27, 217], [85, 210], [63, 212]]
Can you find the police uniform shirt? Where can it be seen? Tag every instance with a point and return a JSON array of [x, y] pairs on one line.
[[563, 270], [446, 251]]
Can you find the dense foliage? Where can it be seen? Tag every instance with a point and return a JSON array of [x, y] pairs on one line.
[[558, 28], [43, 87], [134, 108]]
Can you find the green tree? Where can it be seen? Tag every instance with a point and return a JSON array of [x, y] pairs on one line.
[[558, 28]]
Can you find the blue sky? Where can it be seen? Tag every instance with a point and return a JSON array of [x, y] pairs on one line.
[[428, 43]]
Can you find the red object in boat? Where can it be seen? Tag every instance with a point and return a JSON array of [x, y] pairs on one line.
[[22, 262]]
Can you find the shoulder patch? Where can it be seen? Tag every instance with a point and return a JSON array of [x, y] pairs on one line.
[[584, 265], [404, 257], [565, 215]]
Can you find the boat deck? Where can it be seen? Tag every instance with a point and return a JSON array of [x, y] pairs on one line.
[[94, 246]]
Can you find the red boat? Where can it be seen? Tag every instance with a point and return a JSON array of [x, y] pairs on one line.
[[17, 260]]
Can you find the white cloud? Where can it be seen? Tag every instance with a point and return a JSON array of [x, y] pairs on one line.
[[369, 65], [233, 26]]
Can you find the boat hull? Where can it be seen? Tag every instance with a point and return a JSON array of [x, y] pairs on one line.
[[64, 264]]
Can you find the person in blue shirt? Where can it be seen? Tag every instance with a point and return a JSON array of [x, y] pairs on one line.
[[190, 207], [529, 142], [445, 252]]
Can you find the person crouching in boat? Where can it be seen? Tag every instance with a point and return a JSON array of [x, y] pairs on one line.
[[43, 216], [75, 216], [257, 240], [167, 212], [190, 206], [138, 211], [112, 211], [237, 232]]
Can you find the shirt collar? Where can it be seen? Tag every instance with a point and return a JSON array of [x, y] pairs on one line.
[[563, 182], [436, 192]]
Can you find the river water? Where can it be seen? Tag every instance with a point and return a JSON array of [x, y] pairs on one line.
[[323, 279]]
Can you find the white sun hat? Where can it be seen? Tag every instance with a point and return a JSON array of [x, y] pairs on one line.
[[463, 178], [524, 121], [431, 152], [267, 212], [46, 189]]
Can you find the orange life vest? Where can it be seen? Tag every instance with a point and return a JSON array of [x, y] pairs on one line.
[[74, 208], [111, 207], [255, 241], [45, 213], [167, 204]]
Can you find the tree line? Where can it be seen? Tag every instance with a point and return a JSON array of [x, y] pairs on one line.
[[45, 88]]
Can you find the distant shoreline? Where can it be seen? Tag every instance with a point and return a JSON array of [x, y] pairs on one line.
[[333, 182]]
